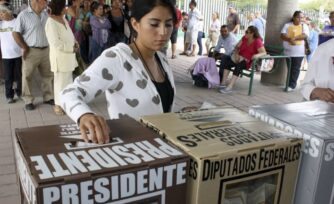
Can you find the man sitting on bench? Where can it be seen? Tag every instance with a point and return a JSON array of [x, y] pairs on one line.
[[227, 41]]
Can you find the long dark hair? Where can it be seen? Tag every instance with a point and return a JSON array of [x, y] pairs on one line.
[[254, 31], [142, 7]]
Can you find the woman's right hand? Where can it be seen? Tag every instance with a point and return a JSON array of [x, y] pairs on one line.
[[94, 128]]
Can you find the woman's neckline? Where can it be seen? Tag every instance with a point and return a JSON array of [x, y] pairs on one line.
[[57, 20]]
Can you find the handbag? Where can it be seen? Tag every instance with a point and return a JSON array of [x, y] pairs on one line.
[[267, 65], [81, 65], [235, 57], [307, 47], [199, 80], [306, 44]]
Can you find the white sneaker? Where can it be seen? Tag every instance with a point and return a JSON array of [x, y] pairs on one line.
[[225, 90], [10, 100], [222, 86], [291, 89], [219, 86]]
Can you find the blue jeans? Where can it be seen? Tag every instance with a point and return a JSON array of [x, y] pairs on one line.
[[199, 42], [96, 49]]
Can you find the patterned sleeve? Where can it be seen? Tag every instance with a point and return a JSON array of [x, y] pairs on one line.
[[103, 74]]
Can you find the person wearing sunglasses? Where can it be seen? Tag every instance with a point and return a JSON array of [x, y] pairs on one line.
[[249, 47]]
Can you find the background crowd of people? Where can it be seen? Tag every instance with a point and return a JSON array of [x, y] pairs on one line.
[[56, 39]]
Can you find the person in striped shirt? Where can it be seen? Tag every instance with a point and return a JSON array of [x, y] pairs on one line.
[[29, 33]]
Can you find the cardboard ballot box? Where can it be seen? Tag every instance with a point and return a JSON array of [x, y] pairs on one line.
[[234, 158], [138, 166], [314, 122]]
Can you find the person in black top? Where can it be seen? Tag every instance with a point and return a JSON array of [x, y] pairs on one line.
[[117, 19]]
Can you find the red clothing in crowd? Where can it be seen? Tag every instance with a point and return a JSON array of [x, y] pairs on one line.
[[178, 18], [247, 51]]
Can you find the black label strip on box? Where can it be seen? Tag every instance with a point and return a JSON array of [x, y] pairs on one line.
[[210, 125], [223, 181]]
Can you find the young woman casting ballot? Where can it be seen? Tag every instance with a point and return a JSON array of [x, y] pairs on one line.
[[136, 78]]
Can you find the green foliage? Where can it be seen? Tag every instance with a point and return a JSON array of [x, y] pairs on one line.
[[316, 4], [245, 3]]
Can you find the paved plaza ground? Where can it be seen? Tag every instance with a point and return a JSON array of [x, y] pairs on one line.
[[14, 116]]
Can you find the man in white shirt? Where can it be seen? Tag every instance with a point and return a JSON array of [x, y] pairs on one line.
[[318, 83], [228, 41], [11, 55]]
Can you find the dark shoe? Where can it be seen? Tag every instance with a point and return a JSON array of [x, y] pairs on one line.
[[10, 100], [191, 55], [30, 106], [50, 102]]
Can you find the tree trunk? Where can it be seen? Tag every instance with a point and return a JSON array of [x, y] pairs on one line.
[[279, 12]]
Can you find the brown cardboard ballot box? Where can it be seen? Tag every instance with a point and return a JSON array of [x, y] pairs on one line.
[[55, 166], [234, 158]]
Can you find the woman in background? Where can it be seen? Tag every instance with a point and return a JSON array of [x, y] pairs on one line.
[[62, 50], [214, 32], [249, 47], [293, 35], [100, 29], [136, 78], [84, 16], [73, 18], [128, 32], [117, 19]]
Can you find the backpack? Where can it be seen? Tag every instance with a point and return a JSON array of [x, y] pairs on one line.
[[204, 73], [199, 80]]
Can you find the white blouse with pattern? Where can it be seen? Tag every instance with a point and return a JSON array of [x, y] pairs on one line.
[[119, 73]]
